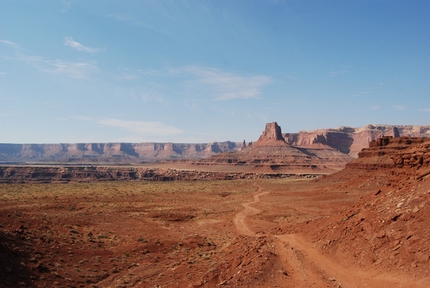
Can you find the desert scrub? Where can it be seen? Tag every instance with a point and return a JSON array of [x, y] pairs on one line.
[[109, 190]]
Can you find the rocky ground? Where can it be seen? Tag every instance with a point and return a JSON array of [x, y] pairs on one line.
[[79, 174], [365, 226]]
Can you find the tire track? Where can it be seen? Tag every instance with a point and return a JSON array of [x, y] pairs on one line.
[[240, 218], [319, 267], [313, 269]]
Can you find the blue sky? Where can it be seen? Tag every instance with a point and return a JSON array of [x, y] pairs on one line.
[[204, 71]]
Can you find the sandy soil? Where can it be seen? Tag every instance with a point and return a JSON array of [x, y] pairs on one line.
[[242, 233]]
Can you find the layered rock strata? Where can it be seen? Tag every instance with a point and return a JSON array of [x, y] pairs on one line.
[[387, 227], [390, 152], [351, 140], [60, 174], [329, 142], [273, 152], [111, 152]]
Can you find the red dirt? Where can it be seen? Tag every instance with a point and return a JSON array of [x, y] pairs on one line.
[[365, 226]]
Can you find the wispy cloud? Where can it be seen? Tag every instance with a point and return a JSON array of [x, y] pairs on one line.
[[399, 107], [337, 73], [374, 107], [150, 96], [370, 90], [10, 43], [127, 77], [364, 92], [68, 41], [425, 109], [222, 85], [82, 118], [141, 127], [72, 69], [69, 68], [367, 91], [129, 19], [66, 6]]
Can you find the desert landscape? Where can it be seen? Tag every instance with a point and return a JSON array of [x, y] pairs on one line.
[[342, 143], [269, 215], [139, 148]]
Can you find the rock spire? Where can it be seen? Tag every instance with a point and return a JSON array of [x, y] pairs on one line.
[[272, 135]]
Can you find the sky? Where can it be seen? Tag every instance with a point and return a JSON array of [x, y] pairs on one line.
[[203, 71]]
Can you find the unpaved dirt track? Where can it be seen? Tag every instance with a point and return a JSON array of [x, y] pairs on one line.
[[309, 268], [318, 267], [239, 219]]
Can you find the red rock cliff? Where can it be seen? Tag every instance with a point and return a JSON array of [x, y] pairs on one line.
[[271, 136], [351, 140]]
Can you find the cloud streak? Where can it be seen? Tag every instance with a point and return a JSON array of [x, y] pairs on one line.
[[82, 118], [399, 107], [337, 73], [10, 43], [68, 41], [223, 85], [69, 68], [141, 127], [72, 69]]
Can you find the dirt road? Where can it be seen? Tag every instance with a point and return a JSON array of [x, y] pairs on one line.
[[239, 219], [307, 267], [315, 269]]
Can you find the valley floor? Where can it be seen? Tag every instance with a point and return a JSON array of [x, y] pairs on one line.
[[241, 233]]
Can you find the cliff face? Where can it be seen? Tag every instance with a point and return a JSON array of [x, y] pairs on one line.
[[325, 143], [271, 136], [272, 153], [319, 151], [388, 224], [76, 174], [390, 152], [351, 140], [111, 152]]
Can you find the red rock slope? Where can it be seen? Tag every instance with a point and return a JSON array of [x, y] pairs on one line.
[[272, 153], [388, 228]]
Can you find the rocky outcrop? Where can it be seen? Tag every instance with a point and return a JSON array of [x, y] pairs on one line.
[[414, 157], [271, 136], [61, 174], [326, 150], [272, 153], [387, 226], [390, 152], [351, 140]]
